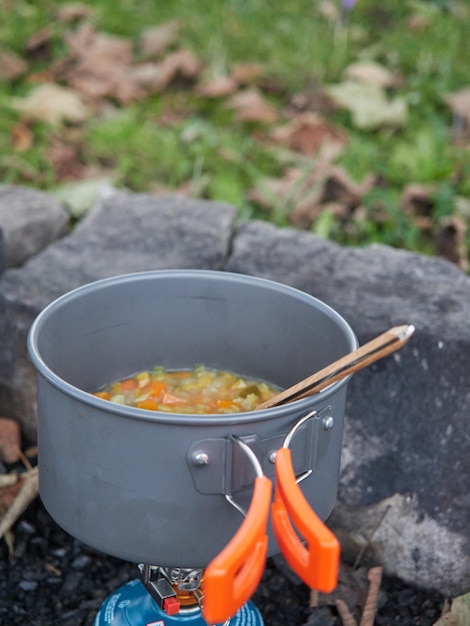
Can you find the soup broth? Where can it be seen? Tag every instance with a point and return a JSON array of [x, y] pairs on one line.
[[200, 391]]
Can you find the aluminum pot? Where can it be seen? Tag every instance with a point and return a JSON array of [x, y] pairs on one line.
[[154, 487]]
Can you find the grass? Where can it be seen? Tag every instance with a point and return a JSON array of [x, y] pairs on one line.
[[207, 150]]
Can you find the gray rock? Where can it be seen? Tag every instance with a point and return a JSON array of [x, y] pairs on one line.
[[123, 233], [404, 497], [403, 500], [29, 221]]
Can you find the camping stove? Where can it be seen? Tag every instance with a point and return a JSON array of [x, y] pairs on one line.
[[163, 596]]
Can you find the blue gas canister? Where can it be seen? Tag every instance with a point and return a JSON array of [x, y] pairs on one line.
[[132, 605]]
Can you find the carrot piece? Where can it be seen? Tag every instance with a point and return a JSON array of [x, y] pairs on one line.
[[226, 404], [157, 389], [168, 398], [128, 384], [105, 395], [148, 404]]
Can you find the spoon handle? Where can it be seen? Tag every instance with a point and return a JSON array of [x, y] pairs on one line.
[[372, 351]]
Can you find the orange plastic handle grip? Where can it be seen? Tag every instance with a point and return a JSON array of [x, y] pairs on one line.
[[233, 575], [316, 563]]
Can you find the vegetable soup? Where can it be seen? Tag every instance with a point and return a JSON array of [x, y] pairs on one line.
[[199, 391]]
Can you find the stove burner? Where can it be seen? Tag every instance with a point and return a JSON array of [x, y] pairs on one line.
[[165, 596]]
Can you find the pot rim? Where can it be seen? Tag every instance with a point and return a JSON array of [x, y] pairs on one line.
[[180, 418]]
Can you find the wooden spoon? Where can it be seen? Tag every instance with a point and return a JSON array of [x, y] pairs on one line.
[[366, 354]]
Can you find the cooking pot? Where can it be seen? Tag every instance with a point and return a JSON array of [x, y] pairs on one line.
[[164, 488]]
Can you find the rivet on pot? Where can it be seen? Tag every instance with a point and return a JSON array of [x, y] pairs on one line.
[[201, 458], [272, 457], [328, 422]]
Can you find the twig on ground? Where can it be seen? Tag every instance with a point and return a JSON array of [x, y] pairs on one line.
[[24, 459], [370, 608], [345, 613], [7, 480], [370, 537]]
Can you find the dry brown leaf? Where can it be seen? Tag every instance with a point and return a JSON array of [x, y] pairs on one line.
[[330, 188], [52, 103], [10, 440], [11, 65], [78, 39], [73, 11], [22, 137], [8, 493], [307, 132], [341, 188], [98, 65], [65, 159], [300, 191], [251, 106], [156, 76], [182, 63], [154, 40], [417, 200], [37, 45], [218, 87], [370, 73], [247, 73]]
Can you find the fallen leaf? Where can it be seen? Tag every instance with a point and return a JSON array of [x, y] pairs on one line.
[[182, 63], [65, 160], [22, 137], [28, 491], [73, 11], [459, 613], [98, 66], [52, 103], [218, 87], [299, 193], [154, 77], [369, 105], [307, 132], [336, 193], [247, 73], [251, 106], [417, 200], [370, 73], [340, 187], [8, 492], [79, 196], [10, 440], [154, 40], [11, 65], [37, 45]]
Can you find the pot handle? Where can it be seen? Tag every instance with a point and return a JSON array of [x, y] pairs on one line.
[[232, 576], [316, 563]]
